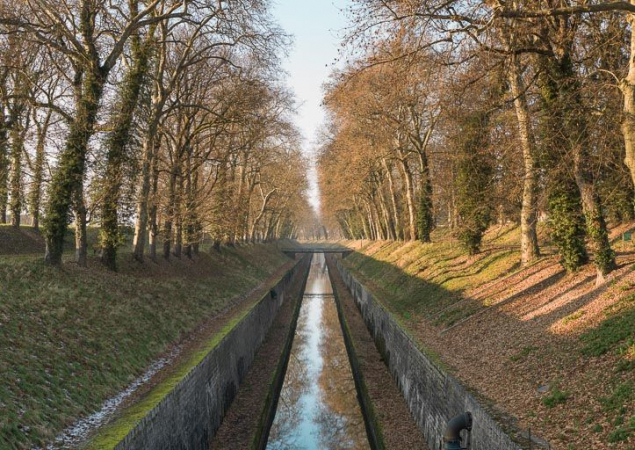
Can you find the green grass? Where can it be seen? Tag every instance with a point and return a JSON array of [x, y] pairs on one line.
[[616, 332], [623, 432], [616, 335], [620, 396], [71, 338], [427, 279], [428, 282], [111, 435], [573, 317], [523, 354], [555, 397]]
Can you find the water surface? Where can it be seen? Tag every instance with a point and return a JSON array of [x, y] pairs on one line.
[[318, 407]]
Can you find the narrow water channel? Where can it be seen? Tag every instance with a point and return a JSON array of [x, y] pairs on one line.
[[318, 407]]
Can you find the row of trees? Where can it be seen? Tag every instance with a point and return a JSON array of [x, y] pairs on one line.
[[165, 115], [462, 113]]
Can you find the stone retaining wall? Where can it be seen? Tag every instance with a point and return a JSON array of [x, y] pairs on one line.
[[433, 396], [191, 413]]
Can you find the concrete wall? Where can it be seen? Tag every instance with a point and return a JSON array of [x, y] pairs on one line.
[[192, 412], [433, 396]]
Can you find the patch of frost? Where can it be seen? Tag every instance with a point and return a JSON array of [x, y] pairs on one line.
[[74, 435]]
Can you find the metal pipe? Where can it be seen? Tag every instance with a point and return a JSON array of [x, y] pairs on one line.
[[452, 436]]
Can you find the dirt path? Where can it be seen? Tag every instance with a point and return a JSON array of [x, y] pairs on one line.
[[398, 427]]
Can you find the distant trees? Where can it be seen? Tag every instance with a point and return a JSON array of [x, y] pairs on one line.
[[550, 142], [165, 114], [389, 114]]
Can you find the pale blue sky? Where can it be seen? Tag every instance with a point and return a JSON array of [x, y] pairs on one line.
[[316, 26]]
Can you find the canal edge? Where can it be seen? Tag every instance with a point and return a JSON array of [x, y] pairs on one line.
[[373, 428], [136, 421], [268, 413]]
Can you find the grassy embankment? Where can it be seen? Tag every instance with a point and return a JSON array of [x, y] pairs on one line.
[[553, 349], [73, 337]]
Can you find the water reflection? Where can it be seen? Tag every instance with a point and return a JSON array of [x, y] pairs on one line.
[[318, 406]]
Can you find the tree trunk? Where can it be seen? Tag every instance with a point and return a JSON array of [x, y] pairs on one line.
[[70, 172], [529, 249], [568, 104], [425, 215], [178, 234], [390, 227], [116, 146], [35, 196], [604, 256], [360, 213], [408, 186], [178, 216], [167, 226], [393, 200], [265, 201], [239, 212], [17, 149], [81, 237], [154, 206], [425, 219], [153, 239], [372, 233], [167, 238], [4, 166], [627, 87], [375, 216], [595, 222], [150, 154], [190, 213]]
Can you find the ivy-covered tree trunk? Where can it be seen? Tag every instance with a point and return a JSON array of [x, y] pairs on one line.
[[35, 195], [425, 219], [81, 234], [17, 150], [562, 94], [604, 256], [566, 222], [69, 176], [4, 169], [116, 145], [472, 183], [425, 215]]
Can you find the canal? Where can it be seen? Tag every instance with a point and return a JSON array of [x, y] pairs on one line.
[[318, 405]]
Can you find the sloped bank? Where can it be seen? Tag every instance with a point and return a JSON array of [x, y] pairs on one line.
[[186, 410], [433, 396]]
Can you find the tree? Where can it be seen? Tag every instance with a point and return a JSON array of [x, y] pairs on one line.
[[119, 139], [72, 32], [474, 173]]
